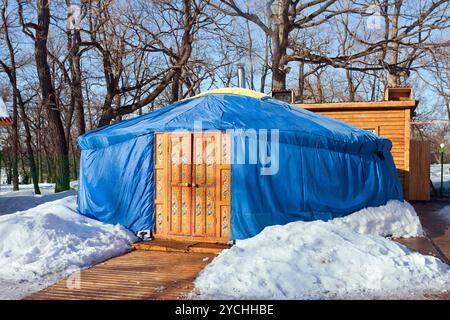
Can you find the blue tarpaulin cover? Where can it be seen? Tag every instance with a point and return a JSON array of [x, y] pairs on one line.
[[326, 168]]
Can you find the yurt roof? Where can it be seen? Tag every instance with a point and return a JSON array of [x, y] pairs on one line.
[[228, 109]]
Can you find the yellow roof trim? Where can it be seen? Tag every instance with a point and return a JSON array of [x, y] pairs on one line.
[[235, 91]]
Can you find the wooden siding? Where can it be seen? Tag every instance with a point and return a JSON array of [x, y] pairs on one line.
[[419, 173]]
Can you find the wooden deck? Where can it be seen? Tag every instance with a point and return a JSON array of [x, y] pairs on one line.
[[139, 274], [180, 246]]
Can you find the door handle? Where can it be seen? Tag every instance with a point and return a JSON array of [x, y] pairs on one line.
[[186, 184]]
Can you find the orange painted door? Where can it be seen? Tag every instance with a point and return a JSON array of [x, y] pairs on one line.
[[180, 184], [204, 184], [192, 188]]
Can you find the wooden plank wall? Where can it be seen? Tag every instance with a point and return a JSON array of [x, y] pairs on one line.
[[392, 124], [419, 176]]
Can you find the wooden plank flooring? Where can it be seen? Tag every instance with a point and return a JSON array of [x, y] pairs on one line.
[[180, 246], [137, 275]]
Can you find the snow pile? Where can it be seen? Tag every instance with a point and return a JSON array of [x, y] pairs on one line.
[[44, 244], [435, 176], [74, 185], [445, 213], [397, 219], [341, 259], [319, 260]]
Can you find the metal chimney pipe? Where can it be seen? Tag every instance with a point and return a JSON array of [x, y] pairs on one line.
[[241, 75]]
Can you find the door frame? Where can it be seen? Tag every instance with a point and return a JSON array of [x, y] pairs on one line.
[[222, 201]]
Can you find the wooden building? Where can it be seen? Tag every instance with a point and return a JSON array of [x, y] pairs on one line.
[[5, 119], [5, 122], [390, 119]]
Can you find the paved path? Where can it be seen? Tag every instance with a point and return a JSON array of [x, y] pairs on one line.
[[436, 225]]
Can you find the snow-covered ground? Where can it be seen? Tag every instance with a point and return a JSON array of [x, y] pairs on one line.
[[28, 189], [13, 201], [46, 243], [344, 258], [445, 213], [435, 176], [347, 258]]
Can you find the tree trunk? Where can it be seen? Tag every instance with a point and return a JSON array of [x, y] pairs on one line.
[[280, 42], [12, 75], [393, 76], [301, 82], [250, 56], [266, 65], [320, 93], [108, 112], [39, 150], [278, 71], [30, 153], [350, 85], [447, 104], [74, 42], [49, 100], [176, 87], [15, 145], [75, 161]]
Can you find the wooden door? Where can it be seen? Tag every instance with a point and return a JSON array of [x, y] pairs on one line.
[[204, 184], [192, 186], [419, 171], [180, 184]]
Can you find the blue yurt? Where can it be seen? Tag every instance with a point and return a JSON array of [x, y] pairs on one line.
[[225, 164]]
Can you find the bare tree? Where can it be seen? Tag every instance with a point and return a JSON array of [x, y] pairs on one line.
[[11, 71], [47, 90], [284, 17]]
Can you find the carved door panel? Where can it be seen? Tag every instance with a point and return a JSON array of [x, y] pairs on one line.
[[204, 184], [180, 184], [192, 186]]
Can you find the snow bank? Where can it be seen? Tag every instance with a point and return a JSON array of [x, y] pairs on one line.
[[42, 245], [344, 258], [397, 219], [435, 176], [445, 213], [319, 260]]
